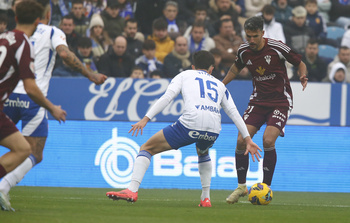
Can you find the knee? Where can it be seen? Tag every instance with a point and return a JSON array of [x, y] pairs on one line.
[[24, 150], [268, 142], [240, 143]]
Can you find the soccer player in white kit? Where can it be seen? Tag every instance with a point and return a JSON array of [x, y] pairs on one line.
[[200, 123], [47, 41]]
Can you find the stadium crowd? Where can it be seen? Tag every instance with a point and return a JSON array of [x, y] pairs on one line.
[[156, 38]]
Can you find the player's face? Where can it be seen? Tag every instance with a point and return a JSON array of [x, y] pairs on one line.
[[197, 34], [131, 29], [255, 39], [170, 12]]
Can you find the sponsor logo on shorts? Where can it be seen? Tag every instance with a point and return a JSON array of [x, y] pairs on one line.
[[197, 135], [17, 103]]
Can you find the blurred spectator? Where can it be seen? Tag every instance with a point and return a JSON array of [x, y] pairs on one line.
[[187, 9], [3, 22], [272, 28], [59, 8], [137, 73], [85, 54], [114, 23], [11, 22], [343, 57], [317, 24], [116, 63], [324, 6], [4, 6], [338, 73], [133, 38], [164, 44], [221, 9], [283, 11], [80, 21], [126, 10], [201, 14], [99, 37], [176, 27], [296, 31], [295, 3], [178, 60], [219, 70], [146, 12], [94, 7], [197, 40], [227, 42], [240, 7], [255, 6], [346, 38], [340, 12], [157, 74], [316, 66], [148, 62], [67, 26]]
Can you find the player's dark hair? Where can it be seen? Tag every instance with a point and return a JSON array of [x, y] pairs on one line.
[[160, 24], [84, 42], [203, 59], [149, 44], [254, 23], [28, 11]]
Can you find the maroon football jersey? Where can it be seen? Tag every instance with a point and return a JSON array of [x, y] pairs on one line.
[[271, 86], [16, 61]]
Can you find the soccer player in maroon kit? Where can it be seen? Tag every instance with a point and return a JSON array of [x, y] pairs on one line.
[[271, 101], [16, 62]]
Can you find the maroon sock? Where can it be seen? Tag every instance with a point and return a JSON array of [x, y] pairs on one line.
[[2, 171], [269, 163], [242, 163]]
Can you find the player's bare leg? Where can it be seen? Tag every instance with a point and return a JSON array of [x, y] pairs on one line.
[[270, 156], [156, 144], [205, 169], [242, 163], [14, 177], [19, 150]]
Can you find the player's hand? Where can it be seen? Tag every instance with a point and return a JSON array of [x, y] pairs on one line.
[[303, 80], [98, 78], [139, 126], [253, 149], [58, 113]]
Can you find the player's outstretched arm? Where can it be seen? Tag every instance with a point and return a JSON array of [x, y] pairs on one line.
[[73, 62], [231, 74], [302, 72], [252, 148], [37, 96], [139, 126]]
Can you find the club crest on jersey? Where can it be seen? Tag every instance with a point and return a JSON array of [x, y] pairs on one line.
[[268, 59], [260, 70]]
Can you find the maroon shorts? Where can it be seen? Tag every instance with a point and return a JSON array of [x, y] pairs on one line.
[[7, 127], [272, 116]]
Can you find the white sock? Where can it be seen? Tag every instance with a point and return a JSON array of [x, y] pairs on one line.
[[140, 167], [14, 177], [205, 169]]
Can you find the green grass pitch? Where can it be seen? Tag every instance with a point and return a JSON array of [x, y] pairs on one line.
[[82, 205]]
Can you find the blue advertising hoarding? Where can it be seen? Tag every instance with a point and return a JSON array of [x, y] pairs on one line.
[[101, 154]]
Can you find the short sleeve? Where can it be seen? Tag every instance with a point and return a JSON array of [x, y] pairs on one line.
[[58, 37]]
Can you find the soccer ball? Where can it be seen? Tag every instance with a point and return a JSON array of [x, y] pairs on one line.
[[260, 194]]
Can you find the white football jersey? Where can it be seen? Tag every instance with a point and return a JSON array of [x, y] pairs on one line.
[[203, 96], [45, 40]]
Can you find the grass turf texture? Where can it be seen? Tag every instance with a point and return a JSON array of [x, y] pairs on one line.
[[78, 205]]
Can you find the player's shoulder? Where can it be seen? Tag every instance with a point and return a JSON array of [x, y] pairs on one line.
[[13, 38], [277, 44], [243, 46]]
